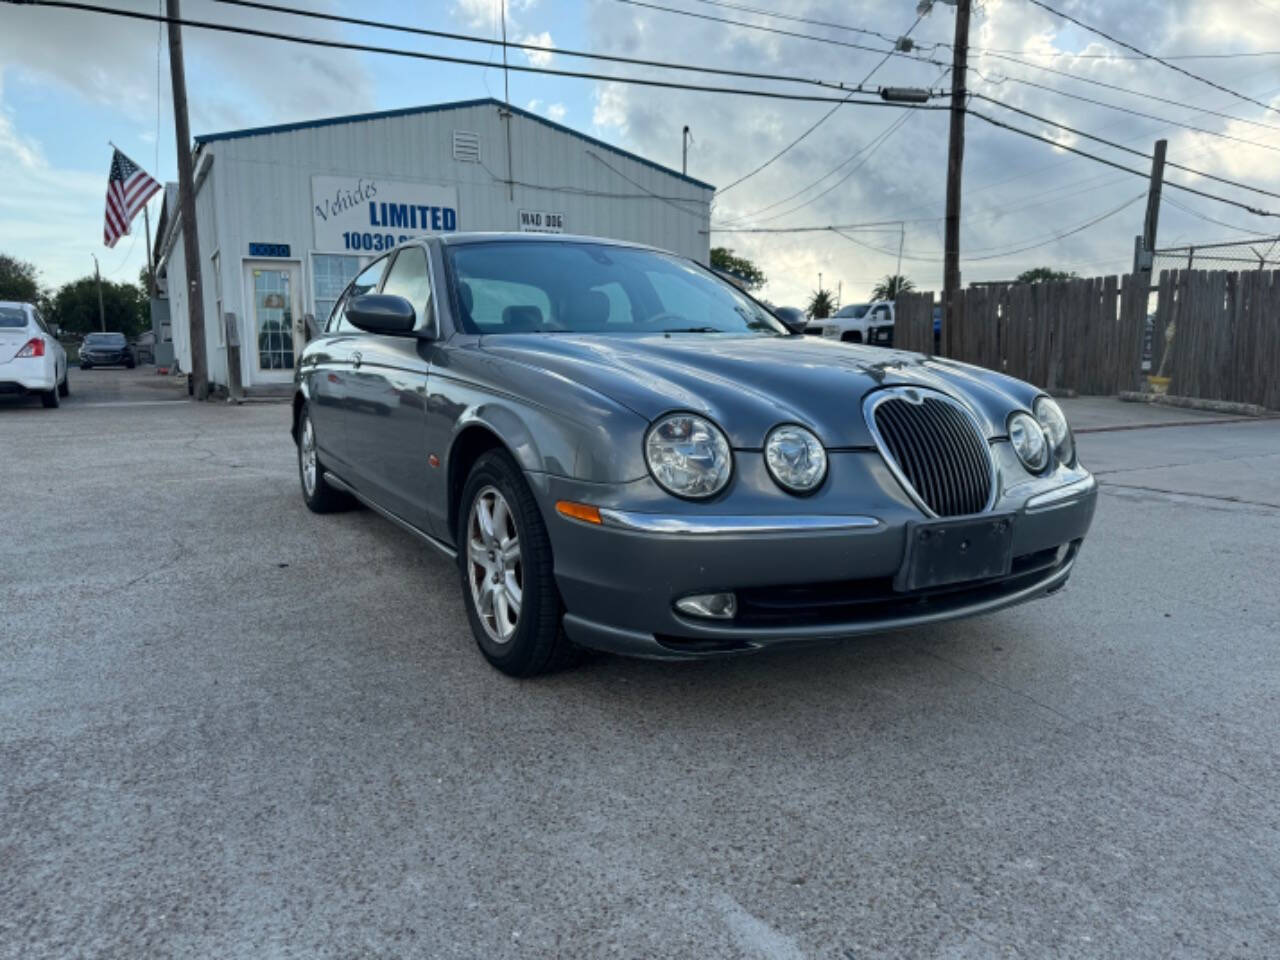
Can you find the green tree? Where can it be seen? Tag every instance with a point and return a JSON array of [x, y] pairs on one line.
[[821, 305], [75, 307], [18, 280], [752, 277], [892, 285], [1043, 274]]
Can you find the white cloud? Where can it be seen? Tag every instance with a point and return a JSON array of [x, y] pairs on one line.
[[557, 112], [1016, 190], [539, 58]]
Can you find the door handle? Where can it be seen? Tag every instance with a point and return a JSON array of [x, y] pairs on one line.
[[356, 359]]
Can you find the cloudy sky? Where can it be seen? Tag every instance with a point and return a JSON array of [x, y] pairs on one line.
[[70, 81]]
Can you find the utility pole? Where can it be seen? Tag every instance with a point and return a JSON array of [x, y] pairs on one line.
[[1145, 245], [187, 195], [97, 275], [684, 151], [151, 269], [955, 169]]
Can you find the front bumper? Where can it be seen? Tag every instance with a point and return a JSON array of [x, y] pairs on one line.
[[824, 574]]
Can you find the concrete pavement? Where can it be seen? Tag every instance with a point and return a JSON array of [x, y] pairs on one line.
[[231, 728]]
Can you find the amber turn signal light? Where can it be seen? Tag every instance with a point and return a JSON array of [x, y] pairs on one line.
[[579, 511]]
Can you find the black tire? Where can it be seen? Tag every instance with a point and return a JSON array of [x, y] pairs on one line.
[[64, 388], [85, 366], [538, 643], [321, 497], [129, 364], [51, 398]]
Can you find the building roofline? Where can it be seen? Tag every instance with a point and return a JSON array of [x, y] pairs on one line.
[[436, 108]]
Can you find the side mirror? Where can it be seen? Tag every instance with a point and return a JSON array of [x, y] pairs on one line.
[[382, 313]]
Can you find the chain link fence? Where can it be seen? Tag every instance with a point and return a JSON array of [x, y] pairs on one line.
[[1233, 256]]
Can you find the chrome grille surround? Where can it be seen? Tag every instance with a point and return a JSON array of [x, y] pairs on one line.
[[935, 447]]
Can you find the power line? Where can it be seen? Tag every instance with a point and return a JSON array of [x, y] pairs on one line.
[[1129, 110], [1120, 146], [1119, 166], [821, 120], [1079, 228], [1120, 56], [776, 30], [1126, 90], [798, 19], [467, 61], [1208, 219], [1172, 66], [512, 44]]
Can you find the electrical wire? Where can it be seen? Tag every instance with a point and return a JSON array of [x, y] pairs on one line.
[[1208, 219], [1126, 90], [1119, 166], [1129, 110], [1120, 146], [1079, 228], [775, 30], [528, 47], [1151, 56], [467, 61]]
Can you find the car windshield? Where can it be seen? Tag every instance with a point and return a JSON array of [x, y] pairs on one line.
[[854, 310], [104, 339], [12, 317], [567, 287]]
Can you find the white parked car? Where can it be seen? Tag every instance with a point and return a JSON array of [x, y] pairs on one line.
[[858, 323], [31, 358]]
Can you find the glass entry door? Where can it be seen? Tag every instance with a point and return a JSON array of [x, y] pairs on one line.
[[276, 336]]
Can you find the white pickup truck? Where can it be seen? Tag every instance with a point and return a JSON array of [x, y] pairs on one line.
[[858, 323]]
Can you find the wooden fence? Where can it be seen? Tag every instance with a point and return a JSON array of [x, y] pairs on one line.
[[1083, 335], [1226, 335]]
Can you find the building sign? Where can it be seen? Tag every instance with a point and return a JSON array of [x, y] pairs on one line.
[[368, 214], [268, 249], [541, 221]]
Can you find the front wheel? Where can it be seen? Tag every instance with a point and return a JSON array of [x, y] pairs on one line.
[[508, 584], [320, 497]]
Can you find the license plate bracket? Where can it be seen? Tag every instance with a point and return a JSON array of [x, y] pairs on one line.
[[943, 552]]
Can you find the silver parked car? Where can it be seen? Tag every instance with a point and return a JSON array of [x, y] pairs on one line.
[[623, 451]]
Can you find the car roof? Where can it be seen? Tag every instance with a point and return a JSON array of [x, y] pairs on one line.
[[17, 303]]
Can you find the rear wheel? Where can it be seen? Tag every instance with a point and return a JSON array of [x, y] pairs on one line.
[[504, 557], [316, 490], [64, 387], [51, 398]]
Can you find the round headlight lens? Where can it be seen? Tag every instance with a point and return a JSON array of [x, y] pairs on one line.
[[795, 458], [1055, 425], [688, 455], [1029, 441]]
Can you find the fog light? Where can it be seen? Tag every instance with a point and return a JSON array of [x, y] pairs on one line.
[[721, 606]]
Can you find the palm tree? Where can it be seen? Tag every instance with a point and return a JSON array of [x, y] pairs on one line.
[[821, 304], [892, 285]]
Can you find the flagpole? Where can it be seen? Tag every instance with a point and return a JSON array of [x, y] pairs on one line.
[[151, 267]]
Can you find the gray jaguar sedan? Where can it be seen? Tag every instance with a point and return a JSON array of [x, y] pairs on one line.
[[623, 451]]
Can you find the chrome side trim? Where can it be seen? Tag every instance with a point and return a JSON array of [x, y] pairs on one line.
[[698, 525], [910, 393], [405, 525], [1056, 498]]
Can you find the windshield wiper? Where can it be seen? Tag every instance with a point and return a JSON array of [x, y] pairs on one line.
[[694, 330]]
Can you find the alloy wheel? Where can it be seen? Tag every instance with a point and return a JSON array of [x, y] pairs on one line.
[[307, 457], [494, 566]]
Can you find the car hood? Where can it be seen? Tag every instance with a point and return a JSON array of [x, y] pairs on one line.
[[750, 384]]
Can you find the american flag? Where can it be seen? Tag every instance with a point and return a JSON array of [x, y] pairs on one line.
[[128, 190]]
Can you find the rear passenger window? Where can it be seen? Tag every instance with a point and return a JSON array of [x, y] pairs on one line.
[[12, 318]]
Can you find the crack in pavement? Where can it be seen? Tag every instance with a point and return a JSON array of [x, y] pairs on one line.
[[1220, 498]]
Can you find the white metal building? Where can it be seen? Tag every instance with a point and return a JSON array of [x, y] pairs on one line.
[[288, 214]]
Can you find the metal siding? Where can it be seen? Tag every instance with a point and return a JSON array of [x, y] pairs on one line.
[[262, 188]]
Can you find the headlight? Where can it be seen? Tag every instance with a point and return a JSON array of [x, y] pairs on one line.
[[795, 458], [1029, 441], [688, 455], [1055, 425]]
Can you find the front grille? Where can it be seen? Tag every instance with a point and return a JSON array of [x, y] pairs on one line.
[[936, 449]]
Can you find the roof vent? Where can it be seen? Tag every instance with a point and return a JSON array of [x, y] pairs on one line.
[[466, 146]]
